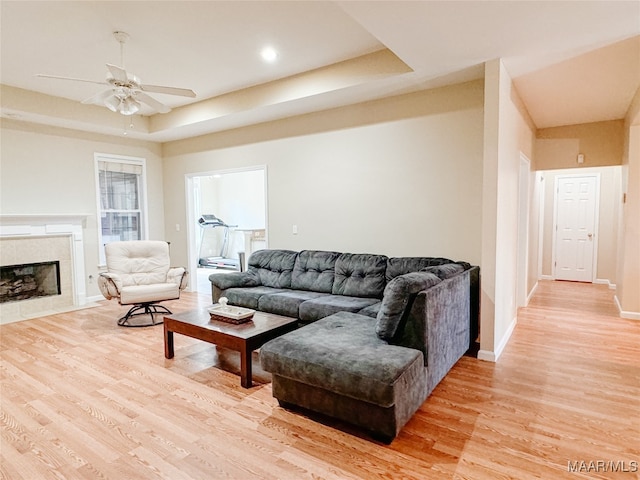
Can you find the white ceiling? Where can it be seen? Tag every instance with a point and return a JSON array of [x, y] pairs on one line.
[[572, 61]]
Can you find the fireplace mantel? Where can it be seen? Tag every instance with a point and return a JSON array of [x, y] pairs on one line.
[[21, 217], [9, 220]]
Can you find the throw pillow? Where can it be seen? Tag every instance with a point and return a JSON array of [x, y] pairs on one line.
[[397, 295]]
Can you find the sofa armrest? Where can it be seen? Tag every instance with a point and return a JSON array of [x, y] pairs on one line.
[[224, 281], [179, 276], [110, 285], [438, 324]]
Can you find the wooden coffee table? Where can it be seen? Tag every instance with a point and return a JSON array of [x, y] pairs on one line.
[[244, 338]]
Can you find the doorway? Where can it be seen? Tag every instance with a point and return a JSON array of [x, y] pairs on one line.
[[238, 199], [575, 225]]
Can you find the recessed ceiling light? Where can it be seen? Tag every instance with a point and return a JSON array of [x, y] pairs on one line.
[[269, 54]]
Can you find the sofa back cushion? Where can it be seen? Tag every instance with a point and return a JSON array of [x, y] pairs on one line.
[[273, 268], [398, 293], [400, 265], [445, 271], [360, 275], [314, 271]]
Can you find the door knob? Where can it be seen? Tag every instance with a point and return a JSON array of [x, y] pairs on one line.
[[590, 235]]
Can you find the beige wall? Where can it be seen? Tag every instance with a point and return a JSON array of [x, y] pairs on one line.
[[508, 132], [47, 170], [607, 229], [628, 291], [398, 176], [601, 143]]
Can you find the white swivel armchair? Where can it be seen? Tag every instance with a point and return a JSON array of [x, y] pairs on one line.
[[139, 274]]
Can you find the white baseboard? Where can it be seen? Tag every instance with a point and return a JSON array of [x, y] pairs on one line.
[[605, 281], [533, 290], [623, 314], [600, 281], [494, 356], [97, 298], [486, 355]]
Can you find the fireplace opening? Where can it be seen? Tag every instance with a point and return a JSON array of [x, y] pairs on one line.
[[22, 282]]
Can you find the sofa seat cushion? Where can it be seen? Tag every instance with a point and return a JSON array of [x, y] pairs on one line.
[[286, 303], [155, 292], [248, 297], [342, 354], [326, 305], [371, 310]]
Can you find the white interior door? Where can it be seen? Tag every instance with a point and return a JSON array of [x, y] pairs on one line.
[[576, 220]]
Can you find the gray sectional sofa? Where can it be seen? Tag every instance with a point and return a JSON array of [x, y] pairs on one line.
[[377, 333]]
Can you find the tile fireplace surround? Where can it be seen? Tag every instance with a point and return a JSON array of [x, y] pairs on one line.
[[42, 238]]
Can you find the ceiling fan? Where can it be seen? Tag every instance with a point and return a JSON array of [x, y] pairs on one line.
[[127, 92]]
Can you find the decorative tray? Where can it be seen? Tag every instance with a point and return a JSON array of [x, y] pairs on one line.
[[230, 314]]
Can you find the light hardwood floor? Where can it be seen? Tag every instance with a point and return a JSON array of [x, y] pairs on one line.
[[83, 398]]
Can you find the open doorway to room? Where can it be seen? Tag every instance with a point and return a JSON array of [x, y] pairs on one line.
[[227, 221]]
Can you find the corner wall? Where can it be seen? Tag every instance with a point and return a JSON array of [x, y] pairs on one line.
[[508, 131], [628, 291]]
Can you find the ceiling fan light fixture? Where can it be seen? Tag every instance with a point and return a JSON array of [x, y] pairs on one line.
[[129, 106], [112, 103], [125, 105]]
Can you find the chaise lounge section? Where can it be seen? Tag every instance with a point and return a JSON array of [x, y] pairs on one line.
[[378, 333]]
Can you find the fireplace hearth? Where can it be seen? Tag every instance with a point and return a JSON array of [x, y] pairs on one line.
[[27, 281]]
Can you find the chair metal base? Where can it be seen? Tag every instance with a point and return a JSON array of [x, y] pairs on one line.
[[150, 309]]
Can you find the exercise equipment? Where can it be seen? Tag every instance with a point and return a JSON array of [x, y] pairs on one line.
[[208, 223]]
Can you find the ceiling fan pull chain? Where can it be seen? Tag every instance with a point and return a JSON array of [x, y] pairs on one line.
[[125, 128]]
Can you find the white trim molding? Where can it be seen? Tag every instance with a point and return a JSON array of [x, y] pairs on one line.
[[623, 314], [605, 281], [494, 356], [531, 293]]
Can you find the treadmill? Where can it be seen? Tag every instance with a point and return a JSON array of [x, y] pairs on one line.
[[208, 223]]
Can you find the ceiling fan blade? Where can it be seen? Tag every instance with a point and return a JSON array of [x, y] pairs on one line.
[[118, 73], [98, 98], [42, 75], [183, 92], [152, 102]]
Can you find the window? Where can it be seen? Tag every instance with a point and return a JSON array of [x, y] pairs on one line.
[[120, 186]]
